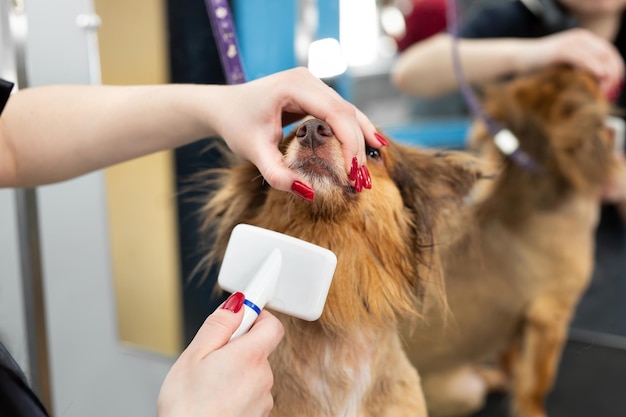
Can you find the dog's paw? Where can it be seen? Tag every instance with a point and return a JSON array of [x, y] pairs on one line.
[[458, 392], [495, 379]]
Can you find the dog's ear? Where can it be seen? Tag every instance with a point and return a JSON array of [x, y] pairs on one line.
[[457, 181], [441, 177], [434, 187], [437, 185]]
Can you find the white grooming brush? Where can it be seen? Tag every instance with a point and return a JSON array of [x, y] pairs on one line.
[[285, 273]]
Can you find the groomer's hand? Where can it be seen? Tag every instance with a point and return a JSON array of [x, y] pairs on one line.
[[215, 378], [263, 106], [614, 190], [583, 49]]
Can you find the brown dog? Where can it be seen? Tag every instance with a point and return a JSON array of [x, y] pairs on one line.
[[513, 286], [350, 362]]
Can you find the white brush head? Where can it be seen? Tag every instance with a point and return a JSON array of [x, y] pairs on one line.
[[304, 276]]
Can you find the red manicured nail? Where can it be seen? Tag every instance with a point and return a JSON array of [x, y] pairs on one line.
[[614, 93], [367, 179], [358, 183], [303, 190], [353, 170], [234, 302], [381, 139]]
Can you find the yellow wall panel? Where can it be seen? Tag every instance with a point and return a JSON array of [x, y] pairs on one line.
[[141, 193]]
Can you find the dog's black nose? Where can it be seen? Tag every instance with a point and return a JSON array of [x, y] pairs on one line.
[[313, 132]]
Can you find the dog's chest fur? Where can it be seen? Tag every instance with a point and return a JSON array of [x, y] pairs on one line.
[[360, 374], [350, 362], [336, 374]]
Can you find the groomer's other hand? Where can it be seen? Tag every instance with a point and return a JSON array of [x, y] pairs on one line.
[[263, 106], [215, 378], [583, 49], [614, 190]]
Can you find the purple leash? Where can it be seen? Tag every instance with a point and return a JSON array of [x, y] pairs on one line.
[[504, 139], [226, 39]]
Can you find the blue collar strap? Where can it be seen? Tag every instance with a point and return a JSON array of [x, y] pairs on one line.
[[5, 92]]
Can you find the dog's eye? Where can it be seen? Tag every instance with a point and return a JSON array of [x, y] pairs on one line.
[[372, 152]]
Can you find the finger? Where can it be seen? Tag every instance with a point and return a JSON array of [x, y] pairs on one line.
[[608, 75], [607, 65], [615, 65], [271, 164], [586, 59], [369, 131], [320, 101], [216, 331], [351, 138], [602, 59], [266, 332]]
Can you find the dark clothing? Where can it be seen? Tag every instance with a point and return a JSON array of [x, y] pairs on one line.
[[5, 92], [602, 308], [16, 397], [514, 20], [502, 20]]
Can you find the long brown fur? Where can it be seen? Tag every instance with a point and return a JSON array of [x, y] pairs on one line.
[[350, 362], [512, 290]]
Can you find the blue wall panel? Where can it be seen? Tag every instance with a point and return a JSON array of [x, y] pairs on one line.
[[266, 31]]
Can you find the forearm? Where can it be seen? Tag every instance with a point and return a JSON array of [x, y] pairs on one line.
[[50, 134], [426, 69]]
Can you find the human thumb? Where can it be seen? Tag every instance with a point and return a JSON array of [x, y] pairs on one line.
[[270, 163], [217, 329]]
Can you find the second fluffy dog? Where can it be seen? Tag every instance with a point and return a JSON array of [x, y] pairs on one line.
[[513, 283]]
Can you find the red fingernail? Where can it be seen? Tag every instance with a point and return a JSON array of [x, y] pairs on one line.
[[381, 139], [367, 179], [614, 93], [353, 170], [234, 302], [303, 190], [358, 183]]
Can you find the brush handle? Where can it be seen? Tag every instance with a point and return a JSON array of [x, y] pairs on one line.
[[249, 317], [259, 291]]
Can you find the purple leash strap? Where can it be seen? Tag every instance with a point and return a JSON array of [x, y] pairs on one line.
[[510, 149], [226, 39]]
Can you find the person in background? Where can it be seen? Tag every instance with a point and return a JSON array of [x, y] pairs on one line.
[[422, 19], [54, 133], [503, 39], [509, 38]]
